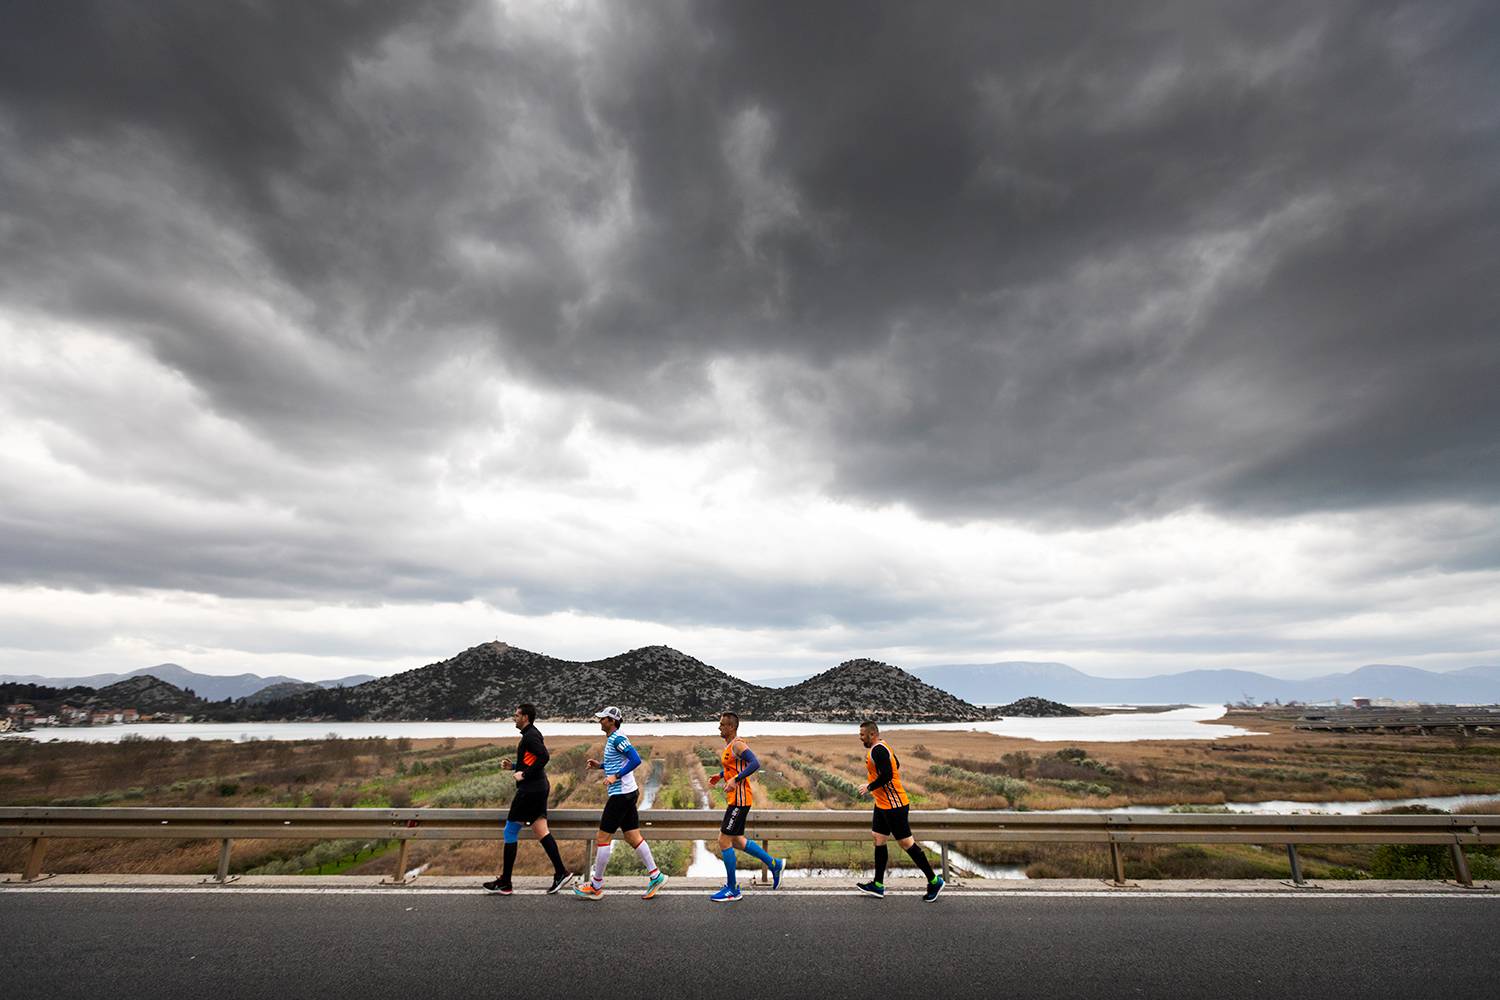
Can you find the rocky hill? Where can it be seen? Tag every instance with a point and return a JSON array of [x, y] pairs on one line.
[[488, 680], [278, 691], [867, 689], [1032, 707], [654, 682], [145, 694]]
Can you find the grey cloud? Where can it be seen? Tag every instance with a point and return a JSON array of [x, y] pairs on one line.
[[1056, 265]]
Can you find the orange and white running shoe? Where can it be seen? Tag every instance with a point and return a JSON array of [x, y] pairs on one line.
[[653, 886], [587, 891]]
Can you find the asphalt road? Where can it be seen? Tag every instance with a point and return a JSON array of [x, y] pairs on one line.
[[227, 944]]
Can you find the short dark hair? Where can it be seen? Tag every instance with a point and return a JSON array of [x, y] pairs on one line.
[[870, 724], [527, 709], [731, 715]]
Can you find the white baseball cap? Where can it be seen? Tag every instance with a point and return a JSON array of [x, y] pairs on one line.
[[609, 712]]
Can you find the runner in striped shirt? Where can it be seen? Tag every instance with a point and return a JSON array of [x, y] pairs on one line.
[[618, 767]]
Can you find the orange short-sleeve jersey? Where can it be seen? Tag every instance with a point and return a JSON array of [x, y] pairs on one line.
[[741, 794]]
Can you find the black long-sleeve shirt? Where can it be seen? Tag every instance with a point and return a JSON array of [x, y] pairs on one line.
[[881, 758], [532, 756]]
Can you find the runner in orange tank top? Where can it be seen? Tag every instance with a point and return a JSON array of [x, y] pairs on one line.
[[891, 817], [738, 762]]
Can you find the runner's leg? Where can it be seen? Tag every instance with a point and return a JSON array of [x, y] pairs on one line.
[[601, 858], [756, 851], [512, 839], [919, 856]]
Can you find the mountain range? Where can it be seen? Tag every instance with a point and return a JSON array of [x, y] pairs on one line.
[[210, 687], [997, 683], [660, 682], [654, 682]]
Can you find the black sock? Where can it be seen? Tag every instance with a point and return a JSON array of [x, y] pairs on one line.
[[510, 861], [882, 856], [920, 857], [549, 844]]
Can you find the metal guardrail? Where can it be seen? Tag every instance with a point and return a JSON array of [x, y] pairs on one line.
[[1114, 830]]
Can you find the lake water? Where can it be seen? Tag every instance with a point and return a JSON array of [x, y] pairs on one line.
[[1282, 807], [1179, 724]]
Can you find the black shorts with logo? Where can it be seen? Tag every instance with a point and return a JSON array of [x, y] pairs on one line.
[[620, 813], [734, 821], [530, 803], [892, 822]]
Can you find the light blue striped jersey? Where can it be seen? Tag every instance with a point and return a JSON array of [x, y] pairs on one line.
[[616, 747]]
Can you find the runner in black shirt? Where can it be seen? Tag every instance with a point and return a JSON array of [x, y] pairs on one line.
[[529, 807]]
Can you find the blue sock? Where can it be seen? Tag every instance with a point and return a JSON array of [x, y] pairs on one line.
[[512, 832], [759, 854], [729, 864]]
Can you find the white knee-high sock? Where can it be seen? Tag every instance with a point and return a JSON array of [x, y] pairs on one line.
[[601, 861], [643, 850]]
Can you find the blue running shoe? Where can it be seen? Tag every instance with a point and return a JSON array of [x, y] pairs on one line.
[[728, 894], [776, 873], [875, 889], [933, 888]]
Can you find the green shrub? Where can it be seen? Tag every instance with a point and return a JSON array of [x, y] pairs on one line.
[[485, 789], [1013, 789], [1421, 861], [828, 784], [671, 856], [1485, 867], [1344, 874]]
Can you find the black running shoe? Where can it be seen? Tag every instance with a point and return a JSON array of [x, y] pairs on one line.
[[561, 882], [933, 888], [503, 888]]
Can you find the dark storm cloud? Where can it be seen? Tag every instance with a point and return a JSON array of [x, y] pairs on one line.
[[1046, 262]]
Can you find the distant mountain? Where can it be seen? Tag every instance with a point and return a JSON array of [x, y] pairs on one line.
[[994, 683], [211, 687], [655, 682], [997, 683]]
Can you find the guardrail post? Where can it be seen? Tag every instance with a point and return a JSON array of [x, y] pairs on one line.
[[34, 856], [1461, 866], [1296, 862], [588, 858], [1117, 862], [947, 870], [764, 878], [403, 853], [223, 875]]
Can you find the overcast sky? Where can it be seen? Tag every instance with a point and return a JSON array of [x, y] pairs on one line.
[[1139, 336]]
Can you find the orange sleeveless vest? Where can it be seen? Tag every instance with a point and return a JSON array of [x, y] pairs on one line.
[[889, 796]]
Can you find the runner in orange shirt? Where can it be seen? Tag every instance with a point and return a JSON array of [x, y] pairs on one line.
[[738, 762], [890, 819]]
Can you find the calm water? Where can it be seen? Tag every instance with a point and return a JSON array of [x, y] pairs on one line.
[[1282, 807], [1180, 724]]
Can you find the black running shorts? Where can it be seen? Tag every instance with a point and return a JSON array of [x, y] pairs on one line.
[[530, 803], [620, 813], [892, 822], [734, 821]]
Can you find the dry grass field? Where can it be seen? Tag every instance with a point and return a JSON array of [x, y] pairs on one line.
[[965, 770]]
